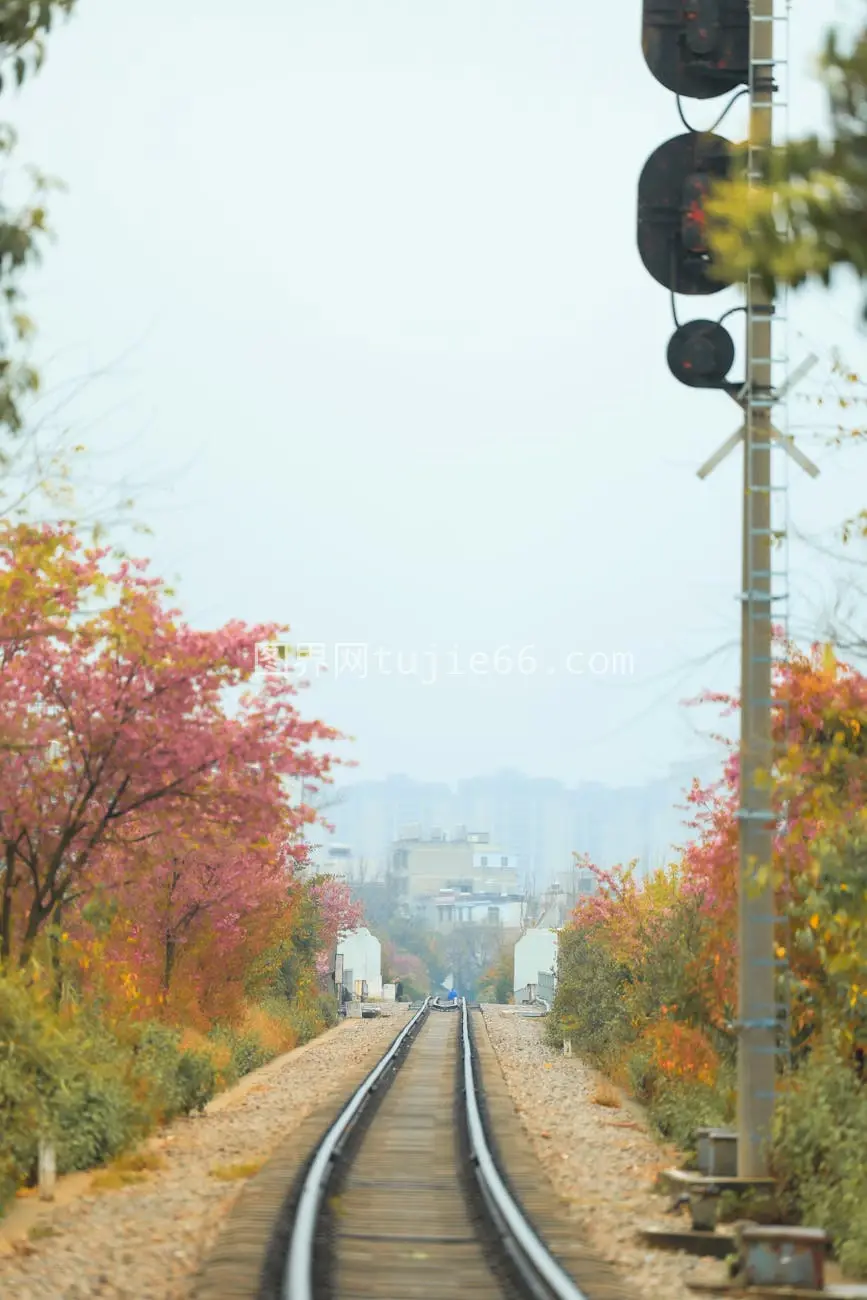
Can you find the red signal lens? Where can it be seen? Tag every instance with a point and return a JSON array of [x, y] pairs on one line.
[[694, 227]]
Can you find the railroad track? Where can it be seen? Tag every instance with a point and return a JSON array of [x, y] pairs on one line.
[[419, 1206], [409, 1193]]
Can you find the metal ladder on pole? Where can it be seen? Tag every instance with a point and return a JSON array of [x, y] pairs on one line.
[[780, 522]]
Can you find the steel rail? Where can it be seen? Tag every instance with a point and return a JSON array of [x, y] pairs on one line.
[[544, 1278], [534, 1262], [298, 1280]]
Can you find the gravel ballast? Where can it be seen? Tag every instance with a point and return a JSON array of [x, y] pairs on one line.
[[146, 1241], [601, 1160]]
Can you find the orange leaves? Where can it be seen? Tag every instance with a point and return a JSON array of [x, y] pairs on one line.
[[675, 932], [681, 1052]]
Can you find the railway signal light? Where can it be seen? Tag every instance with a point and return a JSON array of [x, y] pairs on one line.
[[697, 48], [672, 234], [701, 354]]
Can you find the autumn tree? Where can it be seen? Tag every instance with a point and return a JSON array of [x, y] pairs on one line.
[[40, 465], [410, 936], [802, 218], [469, 950], [195, 882], [24, 26], [117, 710], [498, 981], [653, 961], [808, 216], [337, 914], [302, 951]]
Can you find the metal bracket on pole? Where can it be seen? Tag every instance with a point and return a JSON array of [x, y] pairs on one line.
[[786, 441]]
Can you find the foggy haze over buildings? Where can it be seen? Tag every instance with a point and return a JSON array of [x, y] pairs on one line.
[[541, 822]]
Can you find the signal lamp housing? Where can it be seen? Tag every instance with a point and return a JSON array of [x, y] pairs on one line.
[[701, 354], [672, 236], [697, 48]]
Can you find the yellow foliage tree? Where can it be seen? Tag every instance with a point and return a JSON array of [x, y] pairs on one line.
[[808, 215]]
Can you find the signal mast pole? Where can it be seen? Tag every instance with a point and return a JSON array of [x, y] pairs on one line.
[[702, 50], [757, 1002]]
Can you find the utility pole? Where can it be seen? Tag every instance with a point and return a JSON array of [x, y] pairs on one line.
[[757, 1019], [758, 1022], [704, 50]]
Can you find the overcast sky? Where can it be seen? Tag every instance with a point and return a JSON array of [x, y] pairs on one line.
[[383, 358]]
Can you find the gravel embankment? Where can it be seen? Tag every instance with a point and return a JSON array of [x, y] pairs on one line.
[[601, 1160], [145, 1241]]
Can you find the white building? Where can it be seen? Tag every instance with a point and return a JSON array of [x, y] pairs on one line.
[[362, 962], [535, 963], [451, 907], [495, 861], [338, 860]]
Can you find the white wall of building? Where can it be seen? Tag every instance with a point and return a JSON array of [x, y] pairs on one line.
[[536, 951], [336, 860], [362, 955], [451, 908], [492, 859], [505, 912]]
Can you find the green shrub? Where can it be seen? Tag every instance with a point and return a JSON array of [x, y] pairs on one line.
[[306, 1024], [96, 1091], [248, 1054], [311, 1019], [33, 1063], [411, 991], [96, 1119], [64, 1081], [197, 1081], [589, 1006], [600, 1004], [93, 1092], [246, 1049], [175, 1082], [328, 1011], [643, 1075], [680, 1108], [820, 1134]]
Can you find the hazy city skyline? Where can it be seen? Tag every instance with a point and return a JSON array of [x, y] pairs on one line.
[[543, 822]]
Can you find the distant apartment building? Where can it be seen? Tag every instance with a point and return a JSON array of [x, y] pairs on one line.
[[542, 821], [342, 861], [559, 900], [465, 863], [334, 860], [451, 908]]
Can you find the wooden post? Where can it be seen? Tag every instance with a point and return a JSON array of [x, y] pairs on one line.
[[47, 1170]]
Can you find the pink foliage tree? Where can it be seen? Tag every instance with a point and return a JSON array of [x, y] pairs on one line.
[[339, 915], [115, 731]]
